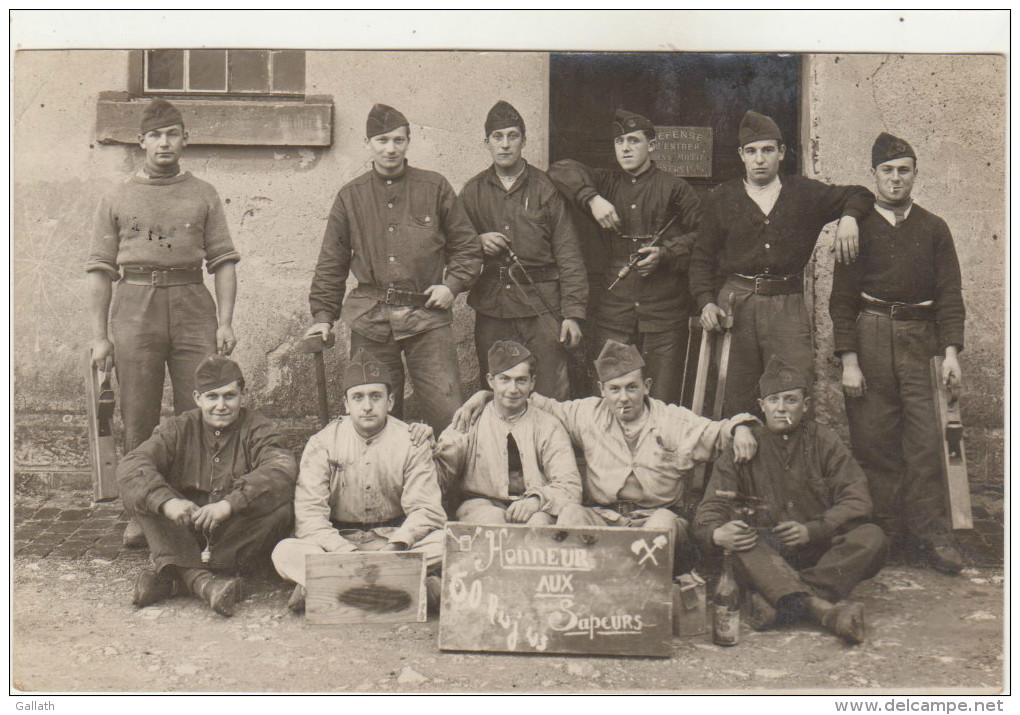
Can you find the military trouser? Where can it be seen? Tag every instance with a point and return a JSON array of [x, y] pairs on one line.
[[289, 555], [663, 353], [535, 334], [830, 570], [154, 328], [239, 544], [763, 325], [665, 519], [893, 430], [432, 361]]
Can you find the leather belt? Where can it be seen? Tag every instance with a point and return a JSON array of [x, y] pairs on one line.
[[392, 296], [539, 275], [769, 285], [161, 278], [897, 311], [368, 526]]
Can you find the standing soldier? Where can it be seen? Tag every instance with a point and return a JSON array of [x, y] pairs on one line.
[[515, 206], [397, 228], [898, 305], [758, 234], [159, 226], [649, 308]]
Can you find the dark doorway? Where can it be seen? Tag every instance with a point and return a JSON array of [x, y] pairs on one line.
[[672, 89]]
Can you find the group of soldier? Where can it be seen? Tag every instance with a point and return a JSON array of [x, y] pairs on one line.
[[214, 490]]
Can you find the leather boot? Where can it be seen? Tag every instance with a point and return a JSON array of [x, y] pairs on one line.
[[134, 537], [761, 614], [297, 599], [433, 593], [940, 553], [220, 592], [152, 587], [845, 620]]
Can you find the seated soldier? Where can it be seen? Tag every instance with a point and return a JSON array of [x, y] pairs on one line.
[[637, 449], [810, 545], [212, 490], [365, 485], [515, 464]]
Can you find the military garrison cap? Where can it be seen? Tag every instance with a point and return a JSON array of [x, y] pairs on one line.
[[779, 377], [756, 127], [887, 147], [504, 354], [364, 369], [216, 371], [502, 116], [382, 119], [617, 359], [626, 122], [160, 113]]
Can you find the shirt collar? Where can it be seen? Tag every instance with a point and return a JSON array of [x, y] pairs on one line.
[[521, 178], [773, 186], [216, 432], [400, 175], [889, 215], [644, 174]]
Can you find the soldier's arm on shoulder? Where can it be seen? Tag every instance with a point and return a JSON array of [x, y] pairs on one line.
[[270, 484], [464, 254], [311, 495], [141, 473], [572, 414], [834, 201], [421, 499], [329, 282]]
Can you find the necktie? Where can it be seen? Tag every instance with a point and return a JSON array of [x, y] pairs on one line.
[[516, 486], [901, 215]]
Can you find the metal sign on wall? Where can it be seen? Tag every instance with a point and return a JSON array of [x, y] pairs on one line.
[[684, 151], [593, 590]]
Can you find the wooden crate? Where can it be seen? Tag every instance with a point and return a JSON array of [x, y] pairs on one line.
[[365, 587], [597, 590]]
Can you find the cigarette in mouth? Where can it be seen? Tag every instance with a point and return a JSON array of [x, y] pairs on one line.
[[787, 418]]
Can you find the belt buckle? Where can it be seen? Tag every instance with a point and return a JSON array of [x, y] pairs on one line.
[[758, 283], [154, 278], [389, 299], [893, 310]]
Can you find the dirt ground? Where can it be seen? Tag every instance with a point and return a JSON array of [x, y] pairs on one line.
[[74, 629]]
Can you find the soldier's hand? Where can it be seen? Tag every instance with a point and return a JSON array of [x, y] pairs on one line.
[[225, 340], [179, 511], [711, 314], [745, 446], [523, 509], [440, 297], [394, 546], [604, 214], [846, 245], [952, 376], [420, 433], [102, 354], [791, 533], [319, 329], [735, 536], [493, 243], [853, 381], [468, 413], [207, 518], [570, 333], [652, 256]]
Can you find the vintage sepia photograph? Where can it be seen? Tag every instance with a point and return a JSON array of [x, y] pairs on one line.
[[492, 352]]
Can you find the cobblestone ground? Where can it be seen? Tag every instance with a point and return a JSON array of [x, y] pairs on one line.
[[74, 629]]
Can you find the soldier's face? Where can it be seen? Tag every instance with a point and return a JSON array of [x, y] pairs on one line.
[[894, 180], [368, 406], [761, 160], [633, 151], [626, 394], [163, 146], [510, 389], [505, 146], [388, 150], [784, 410], [221, 406]]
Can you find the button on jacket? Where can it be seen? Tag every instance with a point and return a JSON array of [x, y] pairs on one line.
[[660, 301], [479, 463], [245, 464], [348, 479], [736, 237], [808, 476], [672, 440], [393, 232], [532, 214]]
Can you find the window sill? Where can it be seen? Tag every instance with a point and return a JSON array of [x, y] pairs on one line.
[[230, 122]]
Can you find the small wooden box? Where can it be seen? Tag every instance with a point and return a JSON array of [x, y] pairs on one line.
[[365, 587]]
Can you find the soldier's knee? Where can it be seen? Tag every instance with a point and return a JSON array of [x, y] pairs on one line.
[[873, 537], [572, 515]]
